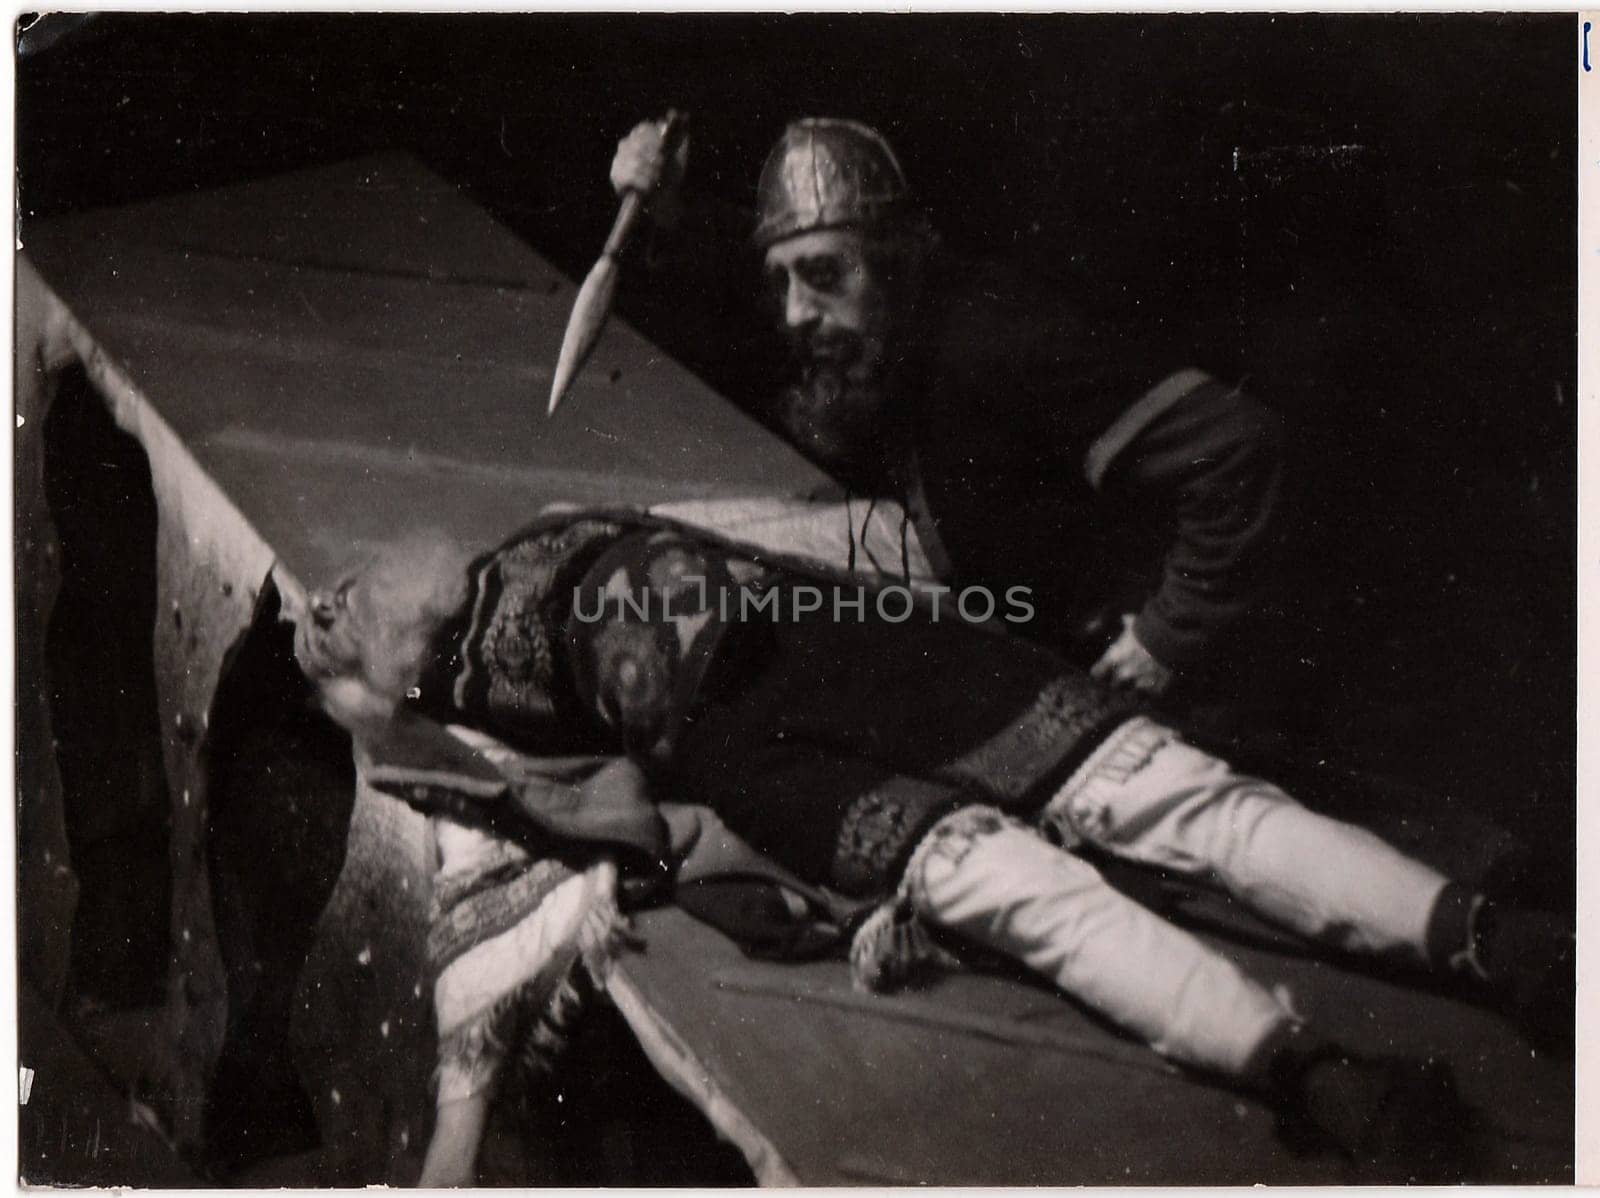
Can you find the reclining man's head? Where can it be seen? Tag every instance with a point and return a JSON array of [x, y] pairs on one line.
[[365, 640]]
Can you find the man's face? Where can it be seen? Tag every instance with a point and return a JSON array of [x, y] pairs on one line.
[[832, 306], [837, 313]]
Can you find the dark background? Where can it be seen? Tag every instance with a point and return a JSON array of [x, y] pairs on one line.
[[1370, 218]]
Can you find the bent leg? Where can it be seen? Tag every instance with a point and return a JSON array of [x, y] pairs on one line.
[[1148, 797], [1000, 884]]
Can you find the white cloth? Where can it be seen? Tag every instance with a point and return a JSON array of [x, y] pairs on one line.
[[516, 976], [886, 545], [1146, 796], [1001, 884]]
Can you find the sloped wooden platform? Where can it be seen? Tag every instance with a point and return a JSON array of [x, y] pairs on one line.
[[358, 349]]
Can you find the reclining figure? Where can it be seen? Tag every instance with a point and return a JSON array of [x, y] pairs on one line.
[[937, 772]]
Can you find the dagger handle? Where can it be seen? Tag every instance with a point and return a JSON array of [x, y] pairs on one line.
[[622, 228], [673, 127]]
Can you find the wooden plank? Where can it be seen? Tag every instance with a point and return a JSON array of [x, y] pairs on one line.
[[339, 333], [981, 1081]]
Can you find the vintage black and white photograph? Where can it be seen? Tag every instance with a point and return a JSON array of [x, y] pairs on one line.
[[823, 599]]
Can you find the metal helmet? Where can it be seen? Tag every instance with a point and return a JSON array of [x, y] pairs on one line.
[[824, 173]]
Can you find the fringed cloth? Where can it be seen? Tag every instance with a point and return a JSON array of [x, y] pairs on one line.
[[508, 934], [895, 946]]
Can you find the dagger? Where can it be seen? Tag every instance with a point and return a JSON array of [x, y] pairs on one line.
[[593, 305]]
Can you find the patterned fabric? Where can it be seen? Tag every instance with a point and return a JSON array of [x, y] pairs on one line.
[[470, 906], [1069, 709], [1067, 715], [834, 746], [648, 617], [881, 827], [895, 944], [507, 933], [502, 664], [513, 987]]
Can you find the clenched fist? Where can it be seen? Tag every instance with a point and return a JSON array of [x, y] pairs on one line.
[[1127, 663], [640, 165]]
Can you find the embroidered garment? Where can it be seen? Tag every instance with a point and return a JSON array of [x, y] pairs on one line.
[[831, 743], [647, 620], [499, 666], [507, 933]]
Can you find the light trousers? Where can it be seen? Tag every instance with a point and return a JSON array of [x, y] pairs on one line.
[[1147, 796]]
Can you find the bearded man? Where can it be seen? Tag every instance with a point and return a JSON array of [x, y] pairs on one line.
[[1027, 446]]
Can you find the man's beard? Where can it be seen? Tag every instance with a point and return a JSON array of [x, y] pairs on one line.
[[839, 416]]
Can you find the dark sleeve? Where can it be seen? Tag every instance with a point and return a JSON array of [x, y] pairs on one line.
[[1213, 462]]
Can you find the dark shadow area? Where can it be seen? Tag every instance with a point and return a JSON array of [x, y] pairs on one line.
[[76, 1130], [605, 1117], [281, 787], [100, 663], [282, 784]]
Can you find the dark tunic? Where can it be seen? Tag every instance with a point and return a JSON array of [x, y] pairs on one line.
[[831, 744], [1093, 463]]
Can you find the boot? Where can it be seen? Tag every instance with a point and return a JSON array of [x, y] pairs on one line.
[[1395, 1119], [1523, 960]]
